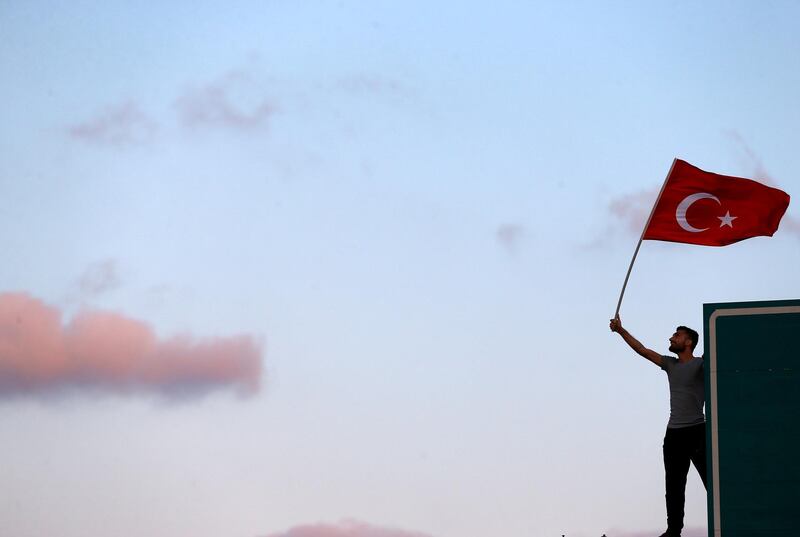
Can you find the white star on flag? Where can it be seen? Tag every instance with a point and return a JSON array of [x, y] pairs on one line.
[[727, 220]]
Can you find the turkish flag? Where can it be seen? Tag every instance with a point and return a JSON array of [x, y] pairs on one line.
[[699, 207]]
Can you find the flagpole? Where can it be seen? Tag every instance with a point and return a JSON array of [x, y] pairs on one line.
[[641, 237]]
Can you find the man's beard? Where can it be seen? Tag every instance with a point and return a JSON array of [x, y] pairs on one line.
[[674, 348]]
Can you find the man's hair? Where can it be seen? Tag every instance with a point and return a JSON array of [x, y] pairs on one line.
[[693, 335]]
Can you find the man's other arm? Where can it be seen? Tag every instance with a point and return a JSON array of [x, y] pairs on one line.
[[635, 344]]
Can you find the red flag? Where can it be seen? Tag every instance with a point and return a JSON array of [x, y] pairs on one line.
[[699, 207]]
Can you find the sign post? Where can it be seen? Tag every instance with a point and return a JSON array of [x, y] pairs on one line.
[[752, 378]]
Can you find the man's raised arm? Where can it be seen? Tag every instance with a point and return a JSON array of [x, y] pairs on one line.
[[635, 344]]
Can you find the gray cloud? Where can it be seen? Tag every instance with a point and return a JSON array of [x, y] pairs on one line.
[[119, 125], [509, 236], [360, 83], [232, 101], [99, 278]]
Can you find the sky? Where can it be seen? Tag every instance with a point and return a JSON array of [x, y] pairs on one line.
[[345, 269]]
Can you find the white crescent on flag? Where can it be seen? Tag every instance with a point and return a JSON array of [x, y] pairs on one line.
[[683, 206]]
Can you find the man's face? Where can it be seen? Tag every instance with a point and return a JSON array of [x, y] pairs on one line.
[[679, 341]]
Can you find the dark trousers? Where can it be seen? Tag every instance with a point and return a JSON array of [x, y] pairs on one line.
[[680, 447]]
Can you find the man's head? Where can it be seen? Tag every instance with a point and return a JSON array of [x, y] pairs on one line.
[[683, 338]]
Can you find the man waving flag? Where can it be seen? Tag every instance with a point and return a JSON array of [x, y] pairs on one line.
[[700, 207], [696, 207]]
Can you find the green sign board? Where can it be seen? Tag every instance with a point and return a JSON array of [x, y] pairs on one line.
[[752, 376]]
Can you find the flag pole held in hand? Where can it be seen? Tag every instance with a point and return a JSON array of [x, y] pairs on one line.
[[641, 237]]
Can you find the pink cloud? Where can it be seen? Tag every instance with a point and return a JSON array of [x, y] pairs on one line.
[[633, 209], [750, 159], [233, 101], [347, 528], [113, 353], [753, 162], [791, 224], [120, 125], [687, 532]]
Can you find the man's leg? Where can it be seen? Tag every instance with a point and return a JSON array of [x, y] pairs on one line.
[[676, 466], [699, 451]]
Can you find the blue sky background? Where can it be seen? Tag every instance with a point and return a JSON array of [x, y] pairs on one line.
[[409, 206]]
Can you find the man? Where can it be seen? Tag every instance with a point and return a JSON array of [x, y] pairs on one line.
[[685, 439]]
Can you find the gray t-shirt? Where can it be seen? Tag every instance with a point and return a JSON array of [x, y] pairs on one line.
[[686, 391]]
